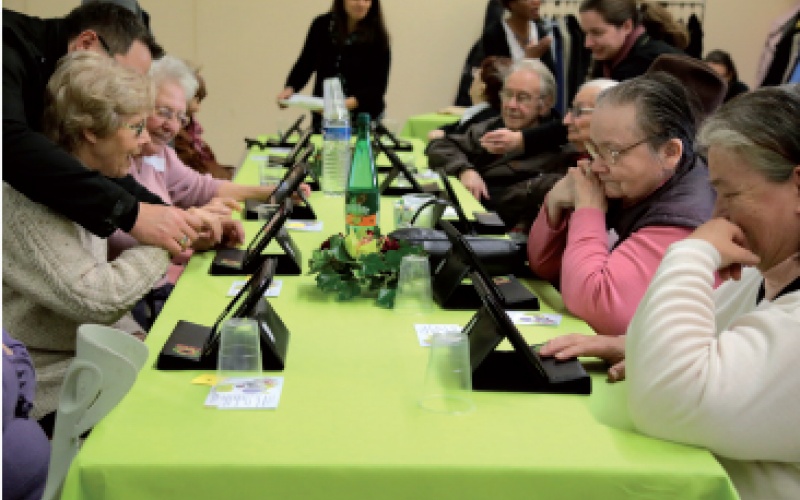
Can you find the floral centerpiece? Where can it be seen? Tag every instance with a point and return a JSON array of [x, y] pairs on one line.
[[353, 266]]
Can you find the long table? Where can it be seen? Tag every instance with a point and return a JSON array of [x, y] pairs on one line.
[[348, 425]]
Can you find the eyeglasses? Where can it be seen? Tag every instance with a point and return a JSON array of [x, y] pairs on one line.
[[104, 44], [136, 127], [578, 111], [169, 114], [608, 155], [521, 97]]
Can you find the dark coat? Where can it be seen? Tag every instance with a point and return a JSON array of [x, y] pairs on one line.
[[363, 67], [495, 43], [642, 54], [517, 184], [34, 165]]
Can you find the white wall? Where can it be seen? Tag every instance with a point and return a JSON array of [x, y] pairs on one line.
[[248, 46]]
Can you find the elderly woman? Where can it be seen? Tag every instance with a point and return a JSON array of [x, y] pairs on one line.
[[192, 149], [603, 229], [717, 368], [55, 273]]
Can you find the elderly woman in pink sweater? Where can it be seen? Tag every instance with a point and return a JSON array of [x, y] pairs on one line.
[[606, 225]]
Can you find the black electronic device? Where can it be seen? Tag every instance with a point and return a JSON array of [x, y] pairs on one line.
[[195, 347], [283, 140], [236, 261], [520, 370], [398, 167], [485, 222], [287, 186], [450, 291], [292, 158], [389, 139]]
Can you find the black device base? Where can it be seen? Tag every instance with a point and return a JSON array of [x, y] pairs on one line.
[[230, 262], [508, 371], [305, 212], [432, 188]]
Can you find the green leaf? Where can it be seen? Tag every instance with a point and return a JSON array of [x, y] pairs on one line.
[[386, 298], [347, 290]]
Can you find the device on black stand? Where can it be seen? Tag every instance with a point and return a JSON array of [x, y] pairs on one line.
[[398, 168], [450, 291], [283, 141], [392, 141], [485, 222], [238, 262], [195, 347], [288, 185], [520, 370]]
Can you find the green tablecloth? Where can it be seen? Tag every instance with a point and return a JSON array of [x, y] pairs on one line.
[[418, 126], [348, 425]]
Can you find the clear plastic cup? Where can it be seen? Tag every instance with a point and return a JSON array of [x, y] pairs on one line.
[[239, 350], [448, 379], [414, 295]]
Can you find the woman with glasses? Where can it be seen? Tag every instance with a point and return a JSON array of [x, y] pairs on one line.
[[605, 226], [349, 42], [56, 275], [717, 368]]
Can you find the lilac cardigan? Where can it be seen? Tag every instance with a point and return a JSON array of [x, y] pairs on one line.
[[26, 450]]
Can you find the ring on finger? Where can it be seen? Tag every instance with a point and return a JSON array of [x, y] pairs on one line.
[[184, 242]]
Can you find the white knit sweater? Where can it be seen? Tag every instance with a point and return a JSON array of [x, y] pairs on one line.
[[713, 369], [55, 278]]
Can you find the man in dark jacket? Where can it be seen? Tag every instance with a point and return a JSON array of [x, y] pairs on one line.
[[36, 167], [513, 184]]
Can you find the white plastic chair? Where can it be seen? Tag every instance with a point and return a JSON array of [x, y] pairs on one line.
[[105, 367]]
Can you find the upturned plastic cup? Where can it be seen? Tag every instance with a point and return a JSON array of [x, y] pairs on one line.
[[269, 175], [448, 379], [414, 295], [239, 350]]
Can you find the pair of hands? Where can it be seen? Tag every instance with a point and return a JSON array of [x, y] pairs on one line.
[[174, 229], [498, 142], [730, 242], [350, 103], [579, 188]]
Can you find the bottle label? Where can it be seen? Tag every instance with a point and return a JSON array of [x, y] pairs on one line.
[[361, 213], [336, 134]]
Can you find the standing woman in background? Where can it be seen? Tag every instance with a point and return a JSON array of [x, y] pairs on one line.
[[625, 39], [721, 62], [349, 42], [522, 35]]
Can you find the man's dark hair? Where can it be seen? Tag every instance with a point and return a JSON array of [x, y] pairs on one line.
[[117, 26]]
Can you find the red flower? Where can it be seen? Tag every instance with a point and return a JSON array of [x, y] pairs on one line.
[[390, 244]]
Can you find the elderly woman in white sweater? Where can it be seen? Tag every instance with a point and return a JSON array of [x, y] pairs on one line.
[[718, 368], [55, 273]]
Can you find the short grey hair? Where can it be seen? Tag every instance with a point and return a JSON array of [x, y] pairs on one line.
[[547, 83], [599, 83], [92, 92], [171, 69], [761, 127]]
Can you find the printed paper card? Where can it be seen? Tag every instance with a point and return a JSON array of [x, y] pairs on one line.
[[426, 331], [273, 291], [304, 225], [246, 393], [530, 318]]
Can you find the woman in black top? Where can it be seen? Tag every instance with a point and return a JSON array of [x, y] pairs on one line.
[[721, 62], [349, 42], [625, 38]]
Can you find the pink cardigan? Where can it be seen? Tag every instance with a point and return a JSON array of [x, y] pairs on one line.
[[166, 176], [601, 286]]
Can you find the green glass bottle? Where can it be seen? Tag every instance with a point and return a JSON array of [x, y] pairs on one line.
[[362, 198]]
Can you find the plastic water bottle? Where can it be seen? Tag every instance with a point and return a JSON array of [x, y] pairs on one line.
[[336, 139]]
